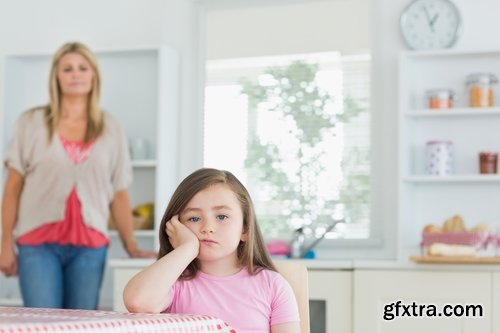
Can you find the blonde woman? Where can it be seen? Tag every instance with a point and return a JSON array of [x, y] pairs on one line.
[[68, 168], [213, 261]]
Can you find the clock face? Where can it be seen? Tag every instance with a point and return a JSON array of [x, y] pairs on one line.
[[430, 24]]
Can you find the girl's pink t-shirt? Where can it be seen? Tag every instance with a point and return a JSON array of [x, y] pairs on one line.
[[249, 303], [72, 230]]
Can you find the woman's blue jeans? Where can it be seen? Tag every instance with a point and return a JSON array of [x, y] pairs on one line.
[[61, 276]]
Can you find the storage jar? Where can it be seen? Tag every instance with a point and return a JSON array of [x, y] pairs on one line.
[[439, 158], [488, 162], [480, 86], [440, 98]]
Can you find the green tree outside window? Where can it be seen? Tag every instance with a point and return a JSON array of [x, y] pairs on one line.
[[290, 175]]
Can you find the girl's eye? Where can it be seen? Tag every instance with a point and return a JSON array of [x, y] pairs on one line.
[[222, 217], [194, 219], [83, 69], [68, 69]]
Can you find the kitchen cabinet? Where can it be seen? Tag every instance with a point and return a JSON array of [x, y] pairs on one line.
[[496, 302], [120, 278], [334, 289], [140, 87], [374, 290], [430, 199]]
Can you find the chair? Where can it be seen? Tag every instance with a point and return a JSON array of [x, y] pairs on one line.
[[297, 276]]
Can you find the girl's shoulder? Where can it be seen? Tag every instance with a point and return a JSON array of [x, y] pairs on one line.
[[270, 276], [273, 283], [266, 271]]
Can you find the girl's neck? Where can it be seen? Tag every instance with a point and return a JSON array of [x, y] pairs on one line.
[[220, 268]]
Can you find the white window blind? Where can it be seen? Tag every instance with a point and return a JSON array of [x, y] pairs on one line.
[[295, 129]]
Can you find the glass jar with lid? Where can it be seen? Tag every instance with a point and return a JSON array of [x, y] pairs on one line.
[[440, 98], [480, 86]]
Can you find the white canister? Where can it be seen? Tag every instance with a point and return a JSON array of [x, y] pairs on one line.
[[439, 158], [139, 149]]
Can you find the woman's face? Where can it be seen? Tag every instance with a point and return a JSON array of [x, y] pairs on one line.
[[75, 75]]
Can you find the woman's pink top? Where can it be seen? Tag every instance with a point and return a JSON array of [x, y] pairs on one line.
[[72, 230]]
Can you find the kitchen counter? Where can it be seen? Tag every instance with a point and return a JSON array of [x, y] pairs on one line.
[[316, 264], [324, 264]]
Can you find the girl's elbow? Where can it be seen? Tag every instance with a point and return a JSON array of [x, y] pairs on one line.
[[137, 304], [132, 302], [136, 308]]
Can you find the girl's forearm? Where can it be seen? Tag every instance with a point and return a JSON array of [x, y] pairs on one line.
[[149, 290]]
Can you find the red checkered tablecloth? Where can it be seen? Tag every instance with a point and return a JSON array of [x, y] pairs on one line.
[[39, 320]]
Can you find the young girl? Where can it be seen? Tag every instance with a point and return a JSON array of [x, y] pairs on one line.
[[213, 261]]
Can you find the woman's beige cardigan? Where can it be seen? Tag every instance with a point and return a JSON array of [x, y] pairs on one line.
[[49, 174]]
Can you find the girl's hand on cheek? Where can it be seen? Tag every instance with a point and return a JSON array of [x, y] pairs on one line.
[[179, 234]]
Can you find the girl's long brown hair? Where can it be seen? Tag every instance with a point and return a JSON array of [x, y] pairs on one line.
[[95, 124], [253, 253]]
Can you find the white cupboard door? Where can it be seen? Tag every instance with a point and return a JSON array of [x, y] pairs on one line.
[[373, 290], [335, 289], [121, 276], [496, 302]]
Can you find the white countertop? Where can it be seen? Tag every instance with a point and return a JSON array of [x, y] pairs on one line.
[[323, 264], [310, 263]]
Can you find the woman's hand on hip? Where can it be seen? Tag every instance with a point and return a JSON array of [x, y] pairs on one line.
[[179, 234], [8, 261]]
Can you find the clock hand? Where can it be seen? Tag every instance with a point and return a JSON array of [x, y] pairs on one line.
[[434, 20], [428, 16]]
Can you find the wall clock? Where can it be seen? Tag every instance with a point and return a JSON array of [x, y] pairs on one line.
[[430, 24]]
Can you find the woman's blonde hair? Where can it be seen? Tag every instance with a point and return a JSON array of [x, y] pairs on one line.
[[95, 123], [252, 253]]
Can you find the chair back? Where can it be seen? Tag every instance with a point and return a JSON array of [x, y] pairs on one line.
[[297, 276]]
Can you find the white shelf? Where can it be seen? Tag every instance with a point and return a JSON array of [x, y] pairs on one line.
[[144, 163], [454, 112], [137, 233], [448, 53], [453, 179], [430, 199]]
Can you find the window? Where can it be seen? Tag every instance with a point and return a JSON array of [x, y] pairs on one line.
[[296, 130]]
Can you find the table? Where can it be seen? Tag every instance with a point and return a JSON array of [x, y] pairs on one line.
[[40, 320]]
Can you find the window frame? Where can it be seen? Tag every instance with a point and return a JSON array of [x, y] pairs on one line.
[[383, 241]]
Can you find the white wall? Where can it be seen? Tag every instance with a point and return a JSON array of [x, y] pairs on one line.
[[301, 27]]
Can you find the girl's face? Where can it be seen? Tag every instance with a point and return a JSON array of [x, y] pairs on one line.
[[214, 215], [75, 75]]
